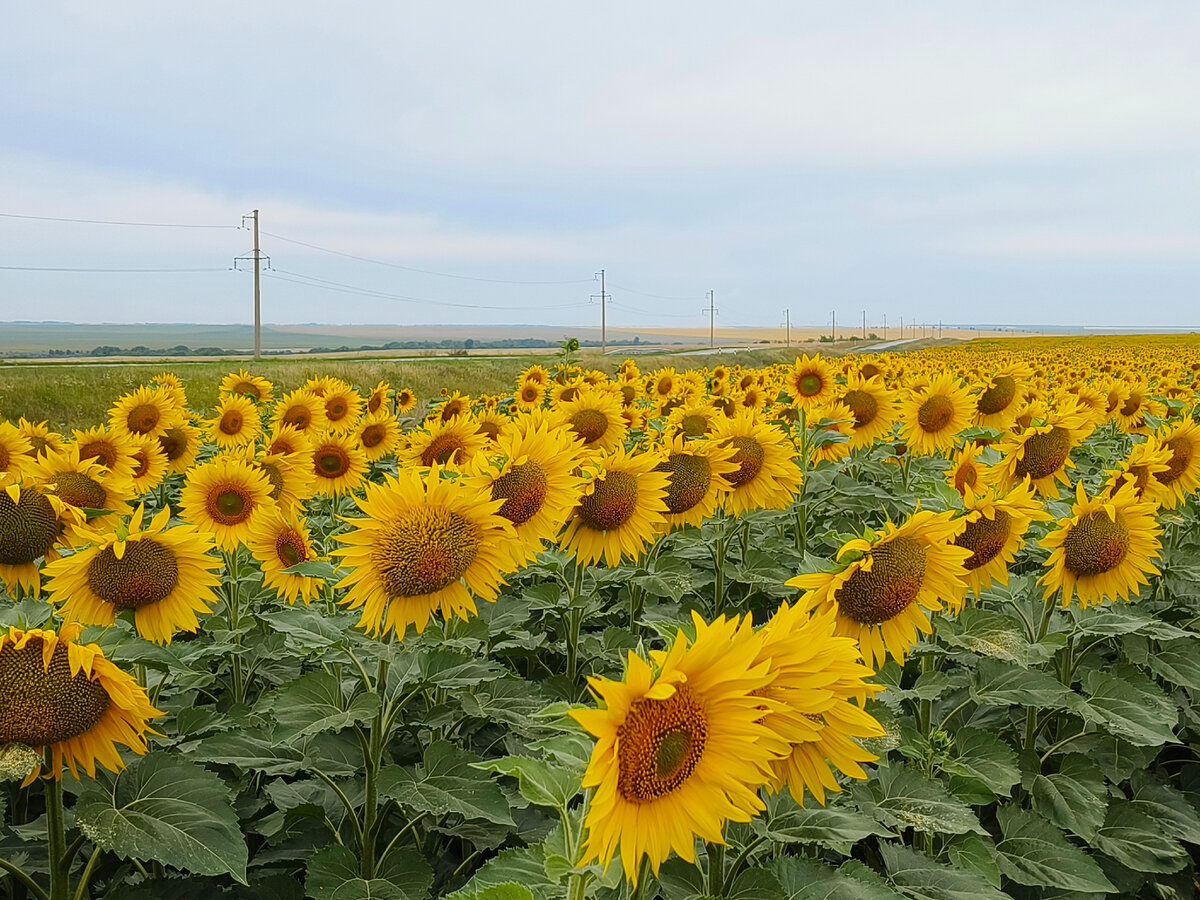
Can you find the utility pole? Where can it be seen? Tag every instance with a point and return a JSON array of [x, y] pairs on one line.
[[833, 322], [712, 311], [258, 259], [603, 317], [939, 329]]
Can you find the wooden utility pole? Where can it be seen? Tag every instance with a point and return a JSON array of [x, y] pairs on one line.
[[833, 325], [712, 312], [603, 315]]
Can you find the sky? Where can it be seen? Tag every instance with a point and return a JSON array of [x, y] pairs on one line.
[[1020, 163]]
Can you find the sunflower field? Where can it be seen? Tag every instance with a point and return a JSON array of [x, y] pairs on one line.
[[897, 626]]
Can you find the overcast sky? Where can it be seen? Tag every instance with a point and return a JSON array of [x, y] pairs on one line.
[[1021, 163]]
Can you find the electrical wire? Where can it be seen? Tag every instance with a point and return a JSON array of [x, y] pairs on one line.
[[654, 314], [127, 271], [112, 222], [391, 265], [655, 296]]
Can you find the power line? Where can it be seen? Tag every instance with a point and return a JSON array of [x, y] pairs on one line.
[[642, 312], [391, 265], [113, 222], [655, 296], [65, 269]]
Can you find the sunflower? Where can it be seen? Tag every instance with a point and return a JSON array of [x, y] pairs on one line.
[[535, 478], [30, 522], [112, 449], [151, 466], [810, 382], [224, 497], [1104, 549], [181, 444], [242, 383], [16, 450], [343, 406], [425, 544], [767, 476], [41, 438], [538, 375], [631, 388], [833, 418], [406, 401], [380, 399], [933, 416], [874, 408], [339, 464], [1131, 414], [698, 472], [1043, 452], [280, 540], [490, 423], [680, 747], [816, 676], [595, 415], [85, 485], [378, 434], [455, 405], [164, 575], [291, 477], [1182, 477], [966, 474], [995, 531], [452, 444], [1143, 466], [236, 423], [65, 696], [529, 396], [998, 403], [621, 510], [172, 384], [883, 595], [147, 412], [302, 409], [288, 440]]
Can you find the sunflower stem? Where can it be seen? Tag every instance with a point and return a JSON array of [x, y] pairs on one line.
[[56, 834], [574, 624], [233, 586], [926, 710], [81, 890], [716, 869], [23, 877]]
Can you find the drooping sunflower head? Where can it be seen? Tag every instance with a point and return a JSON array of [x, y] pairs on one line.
[[932, 417], [291, 477], [767, 476], [236, 424], [832, 426], [150, 466], [810, 382], [165, 576], [41, 438], [85, 485], [698, 471], [379, 399], [995, 530], [16, 450], [884, 595], [1104, 549], [378, 434], [111, 449], [30, 522], [1144, 464], [224, 497], [302, 409], [1042, 452], [425, 543], [243, 384], [1131, 414], [147, 412], [457, 404], [1182, 477], [406, 401], [280, 540], [595, 416], [967, 474], [66, 696], [288, 440], [339, 464], [181, 444], [1000, 395], [453, 444]]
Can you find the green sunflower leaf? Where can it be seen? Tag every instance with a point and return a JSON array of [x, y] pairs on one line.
[[921, 878], [902, 798], [446, 783], [314, 703], [1130, 706], [1036, 853]]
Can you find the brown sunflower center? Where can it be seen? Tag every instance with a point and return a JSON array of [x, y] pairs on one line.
[[612, 503], [690, 475], [531, 393], [998, 397], [1132, 405], [523, 489], [331, 461], [46, 704], [274, 476], [869, 370], [246, 387], [1181, 458], [694, 425], [935, 413], [864, 406], [750, 457], [229, 504], [289, 547], [489, 427], [143, 418], [145, 574], [101, 451], [985, 538], [27, 528], [174, 443], [300, 416], [659, 745], [966, 476], [78, 490], [424, 550], [1044, 454], [336, 409], [628, 394], [589, 424], [452, 409], [810, 384], [37, 443], [231, 422], [1095, 544], [373, 436], [142, 459], [442, 449], [897, 572]]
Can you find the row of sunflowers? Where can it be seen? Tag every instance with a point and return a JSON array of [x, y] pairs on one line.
[[652, 614]]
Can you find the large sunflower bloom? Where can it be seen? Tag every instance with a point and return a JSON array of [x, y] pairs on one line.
[[16, 450], [151, 466], [339, 464], [874, 408], [379, 434], [302, 409], [147, 412], [537, 482], [767, 476], [932, 416], [966, 475], [810, 382], [236, 423], [996, 526], [698, 471], [41, 438], [1104, 549], [425, 544], [1182, 477], [1043, 453], [280, 540], [817, 675], [529, 396], [64, 695], [595, 415], [680, 747], [30, 521], [86, 485], [181, 444], [343, 407], [164, 575], [997, 404], [224, 497], [1144, 465], [242, 383], [453, 444], [110, 448], [621, 511], [883, 597]]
